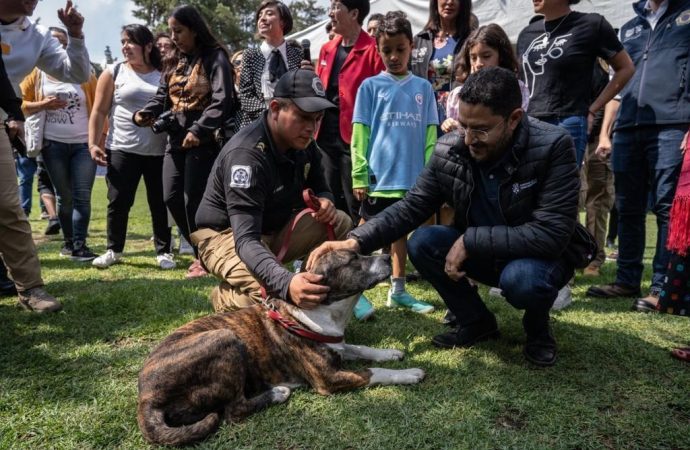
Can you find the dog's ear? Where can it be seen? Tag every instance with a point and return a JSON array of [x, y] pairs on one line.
[[330, 262]]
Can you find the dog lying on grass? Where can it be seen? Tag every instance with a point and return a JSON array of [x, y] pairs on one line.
[[224, 367]]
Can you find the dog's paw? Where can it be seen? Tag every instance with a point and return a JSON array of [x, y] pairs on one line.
[[413, 376], [280, 394], [390, 376], [391, 354]]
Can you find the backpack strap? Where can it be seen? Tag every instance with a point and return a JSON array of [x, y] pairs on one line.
[[116, 70]]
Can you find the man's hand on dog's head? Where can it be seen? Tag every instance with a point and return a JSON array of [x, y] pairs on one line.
[[305, 290], [329, 246]]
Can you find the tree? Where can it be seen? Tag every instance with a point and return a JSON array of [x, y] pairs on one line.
[[306, 13], [232, 21]]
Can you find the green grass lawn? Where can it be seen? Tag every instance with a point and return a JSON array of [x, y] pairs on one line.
[[68, 380]]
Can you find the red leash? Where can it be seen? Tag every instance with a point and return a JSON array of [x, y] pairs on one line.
[[312, 206]]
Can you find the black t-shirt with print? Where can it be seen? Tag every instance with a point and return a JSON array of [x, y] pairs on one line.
[[558, 60]]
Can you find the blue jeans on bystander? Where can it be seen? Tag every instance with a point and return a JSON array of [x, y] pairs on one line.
[[576, 126], [645, 160], [26, 169], [527, 283], [72, 172]]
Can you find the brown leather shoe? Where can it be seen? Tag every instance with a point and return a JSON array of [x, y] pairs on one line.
[[591, 271], [38, 300], [613, 290]]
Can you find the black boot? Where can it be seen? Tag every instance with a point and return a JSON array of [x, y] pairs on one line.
[[540, 346]]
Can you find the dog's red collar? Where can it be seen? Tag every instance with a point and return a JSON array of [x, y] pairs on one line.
[[296, 328]]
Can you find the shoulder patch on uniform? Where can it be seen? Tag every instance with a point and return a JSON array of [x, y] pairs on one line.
[[240, 177], [683, 18]]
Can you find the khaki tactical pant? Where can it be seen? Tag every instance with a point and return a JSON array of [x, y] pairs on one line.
[[239, 288], [16, 244]]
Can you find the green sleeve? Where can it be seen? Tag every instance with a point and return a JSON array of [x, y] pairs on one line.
[[359, 149], [431, 136]]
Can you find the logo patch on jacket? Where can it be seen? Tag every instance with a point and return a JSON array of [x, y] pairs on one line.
[[632, 33], [517, 187], [240, 177], [683, 18]]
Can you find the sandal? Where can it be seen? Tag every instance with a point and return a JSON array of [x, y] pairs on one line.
[[682, 353]]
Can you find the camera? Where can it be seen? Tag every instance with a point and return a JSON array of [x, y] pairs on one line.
[[166, 122]]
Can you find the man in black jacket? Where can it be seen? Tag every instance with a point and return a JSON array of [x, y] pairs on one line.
[[514, 185]]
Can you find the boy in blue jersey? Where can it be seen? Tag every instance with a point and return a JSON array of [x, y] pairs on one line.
[[394, 134]]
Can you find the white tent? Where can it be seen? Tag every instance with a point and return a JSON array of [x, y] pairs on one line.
[[511, 15]]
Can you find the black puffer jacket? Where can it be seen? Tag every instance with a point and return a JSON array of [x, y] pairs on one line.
[[538, 200]]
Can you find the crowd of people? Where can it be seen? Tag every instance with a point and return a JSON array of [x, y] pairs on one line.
[[470, 147]]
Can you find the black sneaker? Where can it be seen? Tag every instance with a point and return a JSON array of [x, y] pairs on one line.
[[53, 227], [66, 250], [468, 335], [82, 253]]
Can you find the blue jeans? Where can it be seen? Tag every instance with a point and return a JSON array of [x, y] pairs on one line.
[[72, 172], [646, 161], [576, 126], [26, 169], [527, 283]]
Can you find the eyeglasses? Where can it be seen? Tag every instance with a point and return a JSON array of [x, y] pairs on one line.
[[237, 62], [337, 6], [480, 135]]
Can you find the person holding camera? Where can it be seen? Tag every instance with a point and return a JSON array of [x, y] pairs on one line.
[[130, 152], [195, 106]]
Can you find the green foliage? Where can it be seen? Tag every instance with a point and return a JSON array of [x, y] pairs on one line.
[[231, 20], [306, 13], [69, 380]]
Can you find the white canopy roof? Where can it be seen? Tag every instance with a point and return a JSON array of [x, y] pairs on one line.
[[511, 15]]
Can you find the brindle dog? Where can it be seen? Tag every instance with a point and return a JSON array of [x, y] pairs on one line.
[[227, 366]]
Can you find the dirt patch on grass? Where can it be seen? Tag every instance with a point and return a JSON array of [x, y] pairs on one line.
[[511, 419]]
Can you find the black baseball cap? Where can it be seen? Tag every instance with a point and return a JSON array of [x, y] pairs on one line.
[[304, 88]]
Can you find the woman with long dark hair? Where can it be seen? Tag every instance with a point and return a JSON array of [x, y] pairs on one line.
[[439, 43], [193, 105], [130, 152]]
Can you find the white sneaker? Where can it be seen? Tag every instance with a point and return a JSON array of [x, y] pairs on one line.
[[166, 261], [564, 299], [107, 259], [495, 292], [185, 247]]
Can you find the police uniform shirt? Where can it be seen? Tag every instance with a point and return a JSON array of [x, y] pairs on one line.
[[255, 189]]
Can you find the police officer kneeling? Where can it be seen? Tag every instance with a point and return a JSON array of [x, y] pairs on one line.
[[255, 190]]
